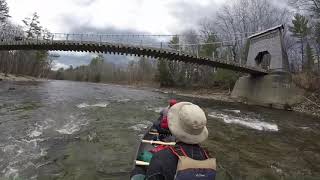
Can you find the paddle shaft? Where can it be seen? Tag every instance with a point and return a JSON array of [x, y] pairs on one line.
[[159, 143], [142, 163]]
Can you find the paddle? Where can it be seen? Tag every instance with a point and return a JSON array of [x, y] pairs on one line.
[[153, 133], [142, 163], [159, 143]]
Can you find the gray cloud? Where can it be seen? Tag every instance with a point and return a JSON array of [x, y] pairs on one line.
[[85, 2], [189, 14]]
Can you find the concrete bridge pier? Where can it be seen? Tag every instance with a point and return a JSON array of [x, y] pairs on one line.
[[275, 89]]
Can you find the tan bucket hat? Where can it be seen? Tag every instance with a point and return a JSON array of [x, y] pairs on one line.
[[187, 122]]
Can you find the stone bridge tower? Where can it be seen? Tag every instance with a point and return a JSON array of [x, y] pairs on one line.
[[266, 51]]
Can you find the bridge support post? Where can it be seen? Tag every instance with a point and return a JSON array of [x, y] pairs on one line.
[[276, 89]]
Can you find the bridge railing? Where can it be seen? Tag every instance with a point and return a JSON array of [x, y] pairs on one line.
[[145, 41]]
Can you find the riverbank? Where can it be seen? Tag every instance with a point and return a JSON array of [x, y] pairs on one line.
[[211, 94], [310, 104], [11, 77]]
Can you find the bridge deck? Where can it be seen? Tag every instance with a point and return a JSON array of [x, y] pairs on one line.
[[123, 49]]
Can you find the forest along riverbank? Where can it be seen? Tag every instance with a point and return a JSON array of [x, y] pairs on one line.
[[73, 130]]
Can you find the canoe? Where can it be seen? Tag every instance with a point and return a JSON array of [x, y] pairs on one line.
[[140, 163]]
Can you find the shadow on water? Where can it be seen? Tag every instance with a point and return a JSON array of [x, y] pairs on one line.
[[69, 130]]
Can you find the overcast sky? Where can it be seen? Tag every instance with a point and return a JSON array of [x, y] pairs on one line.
[[149, 16]]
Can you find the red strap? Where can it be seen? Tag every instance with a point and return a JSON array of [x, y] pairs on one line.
[[205, 153], [159, 148], [174, 150], [184, 153]]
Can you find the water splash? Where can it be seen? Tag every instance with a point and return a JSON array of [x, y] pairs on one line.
[[252, 123]]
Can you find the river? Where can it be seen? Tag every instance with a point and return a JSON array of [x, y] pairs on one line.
[[72, 130]]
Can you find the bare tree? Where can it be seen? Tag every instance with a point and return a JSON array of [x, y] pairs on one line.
[[240, 18]]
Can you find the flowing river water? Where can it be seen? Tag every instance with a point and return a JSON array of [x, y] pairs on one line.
[[71, 130]]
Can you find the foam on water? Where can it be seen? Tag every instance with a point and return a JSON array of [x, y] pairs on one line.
[[233, 110], [138, 127], [35, 133], [156, 109], [82, 105], [123, 100], [85, 105], [72, 126], [246, 122], [40, 127]]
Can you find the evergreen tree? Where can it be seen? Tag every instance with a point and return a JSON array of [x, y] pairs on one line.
[[317, 36], [4, 11], [209, 47], [95, 67], [174, 67], [163, 73], [174, 43], [300, 30], [32, 25]]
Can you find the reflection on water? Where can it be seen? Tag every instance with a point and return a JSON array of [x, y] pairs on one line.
[[70, 130]]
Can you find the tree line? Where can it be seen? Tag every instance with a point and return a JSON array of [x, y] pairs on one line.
[[31, 63]]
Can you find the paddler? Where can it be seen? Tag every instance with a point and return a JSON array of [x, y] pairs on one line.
[[162, 124], [187, 160]]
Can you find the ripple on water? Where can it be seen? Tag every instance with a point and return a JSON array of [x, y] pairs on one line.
[[11, 173], [245, 121], [17, 154]]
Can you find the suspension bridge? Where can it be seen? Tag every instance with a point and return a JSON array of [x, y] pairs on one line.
[[269, 83], [153, 46]]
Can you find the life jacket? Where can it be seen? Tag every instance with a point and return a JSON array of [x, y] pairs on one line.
[[190, 169], [164, 123]]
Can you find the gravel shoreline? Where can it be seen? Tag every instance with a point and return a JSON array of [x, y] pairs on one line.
[[11, 77]]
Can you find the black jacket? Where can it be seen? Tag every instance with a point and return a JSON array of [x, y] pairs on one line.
[[163, 164]]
